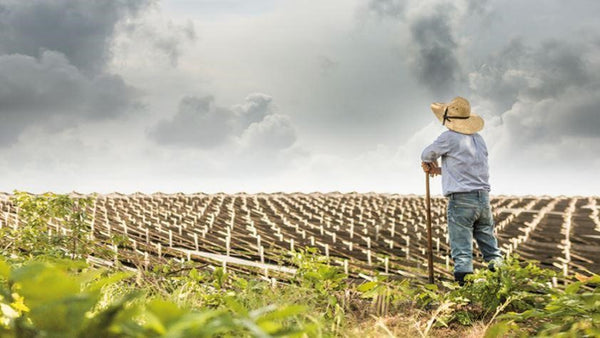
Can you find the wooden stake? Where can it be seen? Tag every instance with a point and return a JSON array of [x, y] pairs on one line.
[[429, 242], [261, 251]]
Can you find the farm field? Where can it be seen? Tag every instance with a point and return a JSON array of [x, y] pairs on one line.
[[288, 265], [362, 233]]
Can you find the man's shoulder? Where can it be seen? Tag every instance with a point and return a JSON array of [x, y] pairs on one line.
[[455, 134], [451, 134], [447, 133]]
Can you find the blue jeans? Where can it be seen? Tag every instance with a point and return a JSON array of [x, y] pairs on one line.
[[470, 215]]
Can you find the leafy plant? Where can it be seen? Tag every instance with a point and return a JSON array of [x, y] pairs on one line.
[[515, 285], [49, 298], [49, 224], [386, 295], [64, 299], [572, 313], [315, 271]]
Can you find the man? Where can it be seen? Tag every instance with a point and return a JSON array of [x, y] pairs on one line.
[[465, 183]]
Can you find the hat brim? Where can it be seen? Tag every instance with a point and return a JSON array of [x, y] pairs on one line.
[[464, 126]]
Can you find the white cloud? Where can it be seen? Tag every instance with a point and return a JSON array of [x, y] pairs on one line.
[[273, 132]]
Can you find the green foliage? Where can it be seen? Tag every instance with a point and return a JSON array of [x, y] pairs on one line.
[[387, 296], [63, 299], [326, 281], [315, 272], [50, 298], [49, 224], [394, 292], [516, 285], [572, 313], [504, 329], [445, 307]]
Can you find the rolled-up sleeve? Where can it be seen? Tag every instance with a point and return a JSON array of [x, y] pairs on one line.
[[438, 148]]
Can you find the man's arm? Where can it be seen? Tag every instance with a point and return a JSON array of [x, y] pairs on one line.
[[429, 156]]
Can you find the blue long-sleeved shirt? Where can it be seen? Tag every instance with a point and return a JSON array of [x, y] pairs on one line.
[[464, 161]]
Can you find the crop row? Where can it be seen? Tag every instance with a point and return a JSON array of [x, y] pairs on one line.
[[361, 232]]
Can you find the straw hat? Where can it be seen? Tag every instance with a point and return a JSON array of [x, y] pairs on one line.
[[457, 116]]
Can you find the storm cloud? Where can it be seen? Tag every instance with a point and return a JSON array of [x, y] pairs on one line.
[[432, 47], [81, 30], [435, 62], [544, 103], [52, 64], [521, 72], [50, 91]]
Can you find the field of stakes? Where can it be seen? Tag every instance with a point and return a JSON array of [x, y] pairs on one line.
[[362, 233]]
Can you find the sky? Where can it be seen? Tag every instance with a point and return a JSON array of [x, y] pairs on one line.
[[293, 96]]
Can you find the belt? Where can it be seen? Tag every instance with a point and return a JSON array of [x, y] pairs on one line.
[[474, 192]]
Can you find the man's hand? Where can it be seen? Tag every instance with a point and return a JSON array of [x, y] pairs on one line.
[[432, 168]]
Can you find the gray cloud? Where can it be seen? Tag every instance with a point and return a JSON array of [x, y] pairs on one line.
[[479, 7], [553, 119], [432, 46], [519, 72], [387, 8], [50, 91], [434, 61], [110, 97], [52, 60], [200, 123], [172, 43], [164, 36], [81, 30], [546, 103], [254, 109]]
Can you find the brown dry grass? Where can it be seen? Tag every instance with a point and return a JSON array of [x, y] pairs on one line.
[[411, 325]]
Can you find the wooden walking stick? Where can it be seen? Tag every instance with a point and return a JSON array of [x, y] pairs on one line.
[[429, 241]]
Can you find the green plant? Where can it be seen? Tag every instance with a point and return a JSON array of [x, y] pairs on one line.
[[572, 313], [386, 295], [315, 271], [74, 216], [65, 298], [51, 298], [515, 285], [316, 274], [442, 307], [49, 224]]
